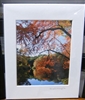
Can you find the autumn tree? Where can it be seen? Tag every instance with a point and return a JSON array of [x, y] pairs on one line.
[[37, 36], [45, 37], [51, 68]]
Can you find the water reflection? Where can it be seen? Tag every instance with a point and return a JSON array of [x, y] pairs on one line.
[[38, 82]]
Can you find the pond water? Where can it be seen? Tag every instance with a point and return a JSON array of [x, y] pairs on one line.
[[38, 82]]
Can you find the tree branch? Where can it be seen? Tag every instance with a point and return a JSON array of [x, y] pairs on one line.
[[60, 54], [62, 46], [55, 52], [52, 29]]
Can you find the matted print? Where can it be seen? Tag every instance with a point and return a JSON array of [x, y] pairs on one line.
[[43, 51]]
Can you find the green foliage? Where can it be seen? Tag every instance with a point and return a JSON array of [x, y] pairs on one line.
[[22, 74], [64, 81], [24, 70]]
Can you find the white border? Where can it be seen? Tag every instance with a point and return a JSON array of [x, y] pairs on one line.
[[13, 12]]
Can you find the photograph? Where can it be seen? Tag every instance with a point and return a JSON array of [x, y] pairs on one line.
[[43, 51]]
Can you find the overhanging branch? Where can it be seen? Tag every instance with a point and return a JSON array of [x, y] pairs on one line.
[[55, 52], [52, 29]]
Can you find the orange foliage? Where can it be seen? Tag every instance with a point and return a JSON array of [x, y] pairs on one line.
[[66, 65], [65, 23], [58, 32], [46, 66], [43, 66], [66, 51], [40, 35]]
